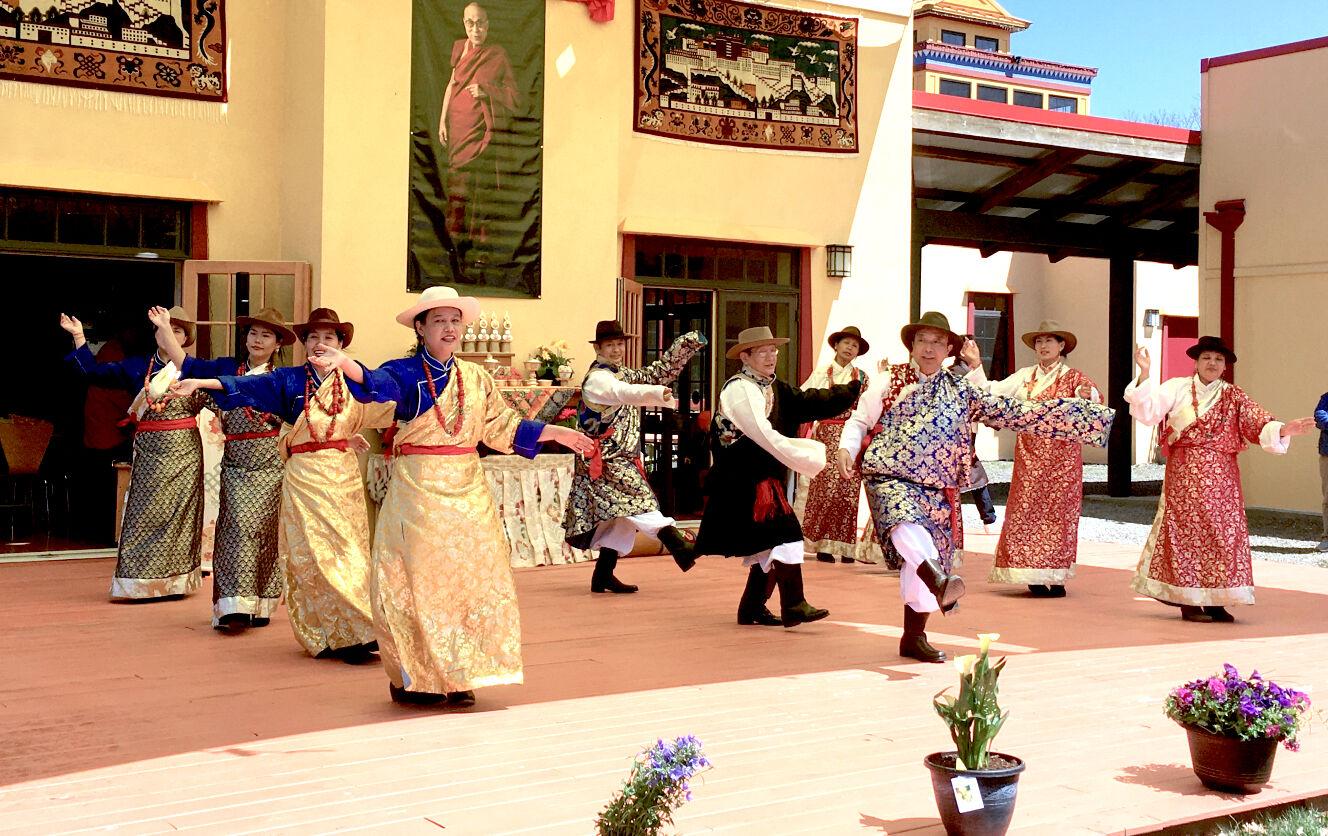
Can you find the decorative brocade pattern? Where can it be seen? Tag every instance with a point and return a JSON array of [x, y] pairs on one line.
[[246, 564], [830, 522], [444, 602], [1198, 551], [324, 529], [163, 517], [621, 489], [531, 495], [1040, 536]]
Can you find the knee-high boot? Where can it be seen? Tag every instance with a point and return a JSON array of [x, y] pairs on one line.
[[752, 608], [684, 553], [793, 606], [913, 644], [603, 579]]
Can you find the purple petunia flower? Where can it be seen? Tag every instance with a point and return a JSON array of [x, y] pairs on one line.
[[1217, 688]]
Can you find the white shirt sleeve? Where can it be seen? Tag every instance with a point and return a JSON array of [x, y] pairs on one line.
[[1008, 388], [1149, 404], [744, 404], [865, 415], [1270, 438], [601, 387]]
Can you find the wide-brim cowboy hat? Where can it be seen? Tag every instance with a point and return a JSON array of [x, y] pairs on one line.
[[850, 331], [750, 338], [271, 319], [1052, 328], [1210, 343], [608, 329], [441, 296], [181, 318], [325, 318], [934, 320]]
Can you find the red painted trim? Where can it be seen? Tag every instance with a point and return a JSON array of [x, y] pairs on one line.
[[1035, 85], [628, 256], [1226, 218], [1259, 54], [805, 314], [198, 231], [1053, 119]]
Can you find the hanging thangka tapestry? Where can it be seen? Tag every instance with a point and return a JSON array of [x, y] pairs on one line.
[[476, 134], [737, 74], [160, 47]]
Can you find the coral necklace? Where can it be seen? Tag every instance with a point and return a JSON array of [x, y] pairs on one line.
[[157, 405], [437, 407], [331, 407], [254, 416]]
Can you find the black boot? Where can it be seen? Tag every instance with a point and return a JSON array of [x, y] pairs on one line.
[[793, 606], [752, 608], [1220, 614], [825, 557], [405, 697], [684, 553], [1197, 614], [948, 589], [603, 579], [913, 644]]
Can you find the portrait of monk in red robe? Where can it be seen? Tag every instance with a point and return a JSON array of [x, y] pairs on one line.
[[478, 104]]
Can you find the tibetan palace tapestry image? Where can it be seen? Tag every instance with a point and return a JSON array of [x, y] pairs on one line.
[[476, 133], [160, 47], [737, 74]]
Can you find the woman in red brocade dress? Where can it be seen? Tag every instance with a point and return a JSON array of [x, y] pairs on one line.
[[1040, 537], [1198, 554], [830, 521]]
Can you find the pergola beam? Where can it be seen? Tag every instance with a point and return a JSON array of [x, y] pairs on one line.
[[1022, 180]]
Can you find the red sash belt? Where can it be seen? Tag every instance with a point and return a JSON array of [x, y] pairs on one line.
[[770, 501], [432, 450], [595, 461], [956, 517], [834, 422], [251, 436], [311, 446], [168, 424]]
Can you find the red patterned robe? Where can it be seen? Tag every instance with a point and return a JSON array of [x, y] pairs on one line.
[[830, 523], [1040, 536], [1198, 553]]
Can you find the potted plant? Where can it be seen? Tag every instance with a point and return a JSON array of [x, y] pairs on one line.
[[657, 785], [550, 357], [1234, 724], [975, 787]]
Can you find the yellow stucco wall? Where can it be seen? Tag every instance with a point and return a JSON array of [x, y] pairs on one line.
[[1258, 148], [309, 162]]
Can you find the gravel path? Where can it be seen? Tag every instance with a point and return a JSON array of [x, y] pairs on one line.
[[1280, 536]]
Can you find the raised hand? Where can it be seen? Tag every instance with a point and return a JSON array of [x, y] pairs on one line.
[[326, 359], [970, 354], [74, 328], [844, 461], [668, 398], [1300, 426], [160, 317], [1142, 360]]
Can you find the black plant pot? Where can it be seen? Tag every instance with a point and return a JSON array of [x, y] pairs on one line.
[[997, 788], [1230, 764]]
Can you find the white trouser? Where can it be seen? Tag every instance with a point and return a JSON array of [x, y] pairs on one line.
[[914, 545], [784, 553], [620, 534]]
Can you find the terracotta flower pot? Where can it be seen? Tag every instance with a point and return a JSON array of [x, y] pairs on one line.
[[996, 787], [1228, 763]]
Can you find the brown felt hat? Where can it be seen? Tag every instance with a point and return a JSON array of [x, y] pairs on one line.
[[850, 331], [271, 319], [326, 318], [934, 320], [181, 318], [608, 329], [1052, 328], [750, 338]]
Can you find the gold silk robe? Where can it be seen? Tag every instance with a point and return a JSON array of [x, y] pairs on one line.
[[323, 535], [444, 602]]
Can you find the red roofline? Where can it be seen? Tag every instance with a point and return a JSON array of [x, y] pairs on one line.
[[1054, 119], [1259, 54]]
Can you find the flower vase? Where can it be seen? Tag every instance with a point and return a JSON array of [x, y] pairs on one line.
[[1230, 764], [996, 787]]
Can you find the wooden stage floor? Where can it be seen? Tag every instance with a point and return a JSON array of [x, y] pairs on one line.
[[139, 718]]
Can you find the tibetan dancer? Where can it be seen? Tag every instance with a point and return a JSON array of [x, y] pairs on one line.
[[323, 533], [830, 522], [911, 430], [246, 565], [610, 499], [1197, 555], [1040, 538], [444, 600], [755, 444], [162, 530]]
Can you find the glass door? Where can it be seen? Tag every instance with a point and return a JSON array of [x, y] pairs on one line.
[[740, 310], [216, 292]]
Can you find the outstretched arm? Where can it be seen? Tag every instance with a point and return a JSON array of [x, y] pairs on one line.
[[744, 405], [1068, 419], [666, 369], [806, 405], [601, 387]]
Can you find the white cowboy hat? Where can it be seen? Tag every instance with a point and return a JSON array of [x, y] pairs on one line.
[[441, 296]]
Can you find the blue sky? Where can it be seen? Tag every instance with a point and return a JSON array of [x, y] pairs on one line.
[[1147, 51]]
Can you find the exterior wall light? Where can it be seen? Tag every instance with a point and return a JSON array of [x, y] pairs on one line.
[[1152, 318], [838, 261]]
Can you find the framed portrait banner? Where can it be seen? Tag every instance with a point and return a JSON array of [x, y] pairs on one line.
[[732, 73], [476, 130], [160, 47]]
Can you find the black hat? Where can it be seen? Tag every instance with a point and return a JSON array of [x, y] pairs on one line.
[[931, 319], [850, 331], [1210, 343], [608, 329]]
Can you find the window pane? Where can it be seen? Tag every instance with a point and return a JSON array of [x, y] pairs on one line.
[[1025, 99], [993, 94], [214, 341], [673, 265], [649, 264], [730, 268], [161, 228], [31, 219], [953, 38], [279, 293], [214, 298], [758, 270], [122, 225], [81, 222], [986, 44], [956, 88], [1063, 104]]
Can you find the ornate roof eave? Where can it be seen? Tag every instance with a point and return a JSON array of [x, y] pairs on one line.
[[969, 14], [1000, 60]]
